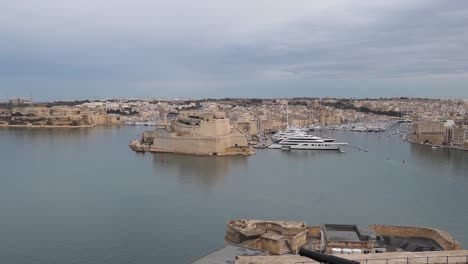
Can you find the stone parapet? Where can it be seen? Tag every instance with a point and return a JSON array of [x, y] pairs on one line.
[[446, 241]]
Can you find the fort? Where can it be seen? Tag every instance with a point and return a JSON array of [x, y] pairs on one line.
[[195, 132], [282, 237], [259, 241]]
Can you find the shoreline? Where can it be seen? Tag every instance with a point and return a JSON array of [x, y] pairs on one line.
[[405, 139]]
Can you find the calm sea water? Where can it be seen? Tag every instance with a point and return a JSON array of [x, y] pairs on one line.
[[82, 196]]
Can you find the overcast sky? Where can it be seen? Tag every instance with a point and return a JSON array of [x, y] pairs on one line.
[[61, 49]]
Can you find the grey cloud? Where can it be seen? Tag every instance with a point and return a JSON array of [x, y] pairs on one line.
[[222, 47]]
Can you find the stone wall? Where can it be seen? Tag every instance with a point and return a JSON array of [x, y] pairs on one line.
[[313, 231], [442, 238], [277, 227], [104, 119], [200, 146], [215, 128], [185, 145], [185, 130], [233, 236], [248, 127], [5, 112], [271, 245], [348, 244], [297, 241]]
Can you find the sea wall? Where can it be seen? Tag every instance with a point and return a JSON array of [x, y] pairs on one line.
[[201, 145]]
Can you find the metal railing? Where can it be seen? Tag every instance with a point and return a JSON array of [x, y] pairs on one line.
[[455, 259]]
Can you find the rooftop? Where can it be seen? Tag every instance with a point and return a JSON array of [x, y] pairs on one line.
[[342, 233]]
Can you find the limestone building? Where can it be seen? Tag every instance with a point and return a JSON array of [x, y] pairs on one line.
[[458, 136], [430, 131]]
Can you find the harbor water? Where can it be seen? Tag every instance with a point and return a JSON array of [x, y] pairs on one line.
[[82, 196]]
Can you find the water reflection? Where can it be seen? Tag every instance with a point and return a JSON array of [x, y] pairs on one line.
[[310, 154], [47, 135], [454, 160], [197, 171]]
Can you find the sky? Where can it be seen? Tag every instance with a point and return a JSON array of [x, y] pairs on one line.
[[92, 49]]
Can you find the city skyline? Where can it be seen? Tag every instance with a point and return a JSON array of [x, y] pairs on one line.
[[215, 49]]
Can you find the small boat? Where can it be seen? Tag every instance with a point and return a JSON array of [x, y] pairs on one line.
[[434, 147]]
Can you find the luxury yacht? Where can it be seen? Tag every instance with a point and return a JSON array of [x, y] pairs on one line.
[[304, 141]]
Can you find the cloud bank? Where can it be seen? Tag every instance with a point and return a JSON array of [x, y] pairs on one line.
[[102, 48]]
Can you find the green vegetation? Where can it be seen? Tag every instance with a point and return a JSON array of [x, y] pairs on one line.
[[348, 105]]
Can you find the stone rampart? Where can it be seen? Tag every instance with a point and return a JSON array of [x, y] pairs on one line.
[[297, 241], [446, 241], [313, 231], [271, 245]]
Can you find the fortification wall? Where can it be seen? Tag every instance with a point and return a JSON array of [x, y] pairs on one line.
[[185, 130], [104, 119], [185, 145], [233, 236], [297, 241], [238, 140], [197, 146], [249, 127], [446, 241], [271, 245], [215, 128], [313, 231], [277, 227]]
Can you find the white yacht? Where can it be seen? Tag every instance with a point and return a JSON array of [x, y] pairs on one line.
[[297, 138], [281, 135], [304, 141]]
